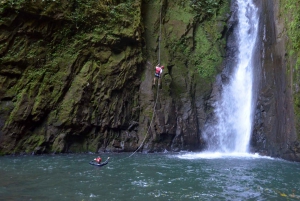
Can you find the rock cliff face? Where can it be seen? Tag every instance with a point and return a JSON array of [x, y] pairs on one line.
[[274, 131], [76, 76], [192, 47], [69, 74]]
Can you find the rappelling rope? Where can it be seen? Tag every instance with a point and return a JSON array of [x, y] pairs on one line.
[[148, 128], [159, 39], [154, 111]]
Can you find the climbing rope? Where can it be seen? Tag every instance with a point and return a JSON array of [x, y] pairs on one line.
[[159, 39], [148, 127], [154, 111]]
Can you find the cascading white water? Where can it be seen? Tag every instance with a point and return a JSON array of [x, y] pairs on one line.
[[233, 111]]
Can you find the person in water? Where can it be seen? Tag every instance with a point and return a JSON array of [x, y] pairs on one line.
[[98, 159]]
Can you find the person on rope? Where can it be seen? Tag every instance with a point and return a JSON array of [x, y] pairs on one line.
[[98, 159], [158, 72]]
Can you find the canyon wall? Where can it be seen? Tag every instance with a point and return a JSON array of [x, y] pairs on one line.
[[275, 131], [76, 76]]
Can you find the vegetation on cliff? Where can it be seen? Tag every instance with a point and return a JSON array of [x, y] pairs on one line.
[[67, 68], [192, 49], [71, 72], [291, 15]]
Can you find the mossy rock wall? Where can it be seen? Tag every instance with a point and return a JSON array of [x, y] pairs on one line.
[[276, 129], [68, 77], [190, 43], [290, 14], [76, 76]]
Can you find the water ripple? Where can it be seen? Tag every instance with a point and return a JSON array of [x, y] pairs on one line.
[[148, 177]]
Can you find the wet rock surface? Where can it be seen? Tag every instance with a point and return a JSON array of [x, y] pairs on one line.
[[75, 75], [274, 130]]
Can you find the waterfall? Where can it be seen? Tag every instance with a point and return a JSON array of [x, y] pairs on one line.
[[231, 130]]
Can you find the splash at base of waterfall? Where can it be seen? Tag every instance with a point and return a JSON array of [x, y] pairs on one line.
[[230, 130], [214, 155]]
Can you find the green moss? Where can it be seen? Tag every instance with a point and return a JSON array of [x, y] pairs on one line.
[[29, 144], [180, 14], [207, 54], [33, 141], [73, 51], [297, 112], [290, 11], [16, 52], [201, 49], [18, 100], [207, 8], [148, 113]]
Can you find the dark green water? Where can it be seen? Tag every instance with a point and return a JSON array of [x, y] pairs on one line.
[[148, 177]]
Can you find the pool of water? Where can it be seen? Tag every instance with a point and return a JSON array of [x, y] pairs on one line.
[[182, 176]]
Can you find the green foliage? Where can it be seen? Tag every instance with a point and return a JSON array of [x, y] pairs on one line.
[[297, 111], [54, 57], [12, 4], [181, 14], [205, 8], [292, 20], [197, 53], [291, 13], [207, 56], [80, 12]]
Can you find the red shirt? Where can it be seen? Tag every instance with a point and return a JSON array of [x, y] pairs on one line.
[[98, 159], [158, 70]]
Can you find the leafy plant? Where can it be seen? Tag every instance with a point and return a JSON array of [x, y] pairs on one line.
[[205, 8]]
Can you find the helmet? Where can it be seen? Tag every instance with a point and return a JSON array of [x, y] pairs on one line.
[[162, 67]]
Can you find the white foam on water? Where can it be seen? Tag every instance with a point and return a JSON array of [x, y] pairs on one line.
[[218, 155]]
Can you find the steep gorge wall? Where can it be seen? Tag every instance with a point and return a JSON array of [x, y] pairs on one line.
[[274, 130], [68, 74], [192, 49], [76, 76]]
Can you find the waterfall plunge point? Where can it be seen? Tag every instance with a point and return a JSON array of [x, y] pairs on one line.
[[233, 112]]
